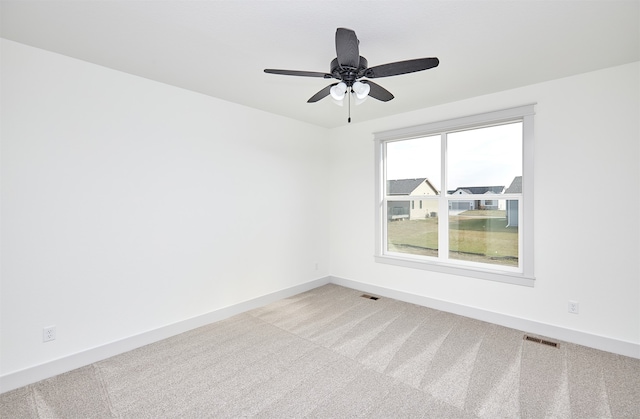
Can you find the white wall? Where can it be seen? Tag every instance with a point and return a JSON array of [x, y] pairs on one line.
[[587, 199], [129, 205]]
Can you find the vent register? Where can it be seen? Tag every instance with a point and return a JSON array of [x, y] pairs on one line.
[[541, 341]]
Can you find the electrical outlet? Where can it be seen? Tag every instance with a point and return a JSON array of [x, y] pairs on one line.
[[316, 266], [49, 334], [574, 306]]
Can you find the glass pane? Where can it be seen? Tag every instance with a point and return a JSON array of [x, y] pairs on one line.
[[413, 169], [416, 236], [410, 160], [484, 235], [484, 160]]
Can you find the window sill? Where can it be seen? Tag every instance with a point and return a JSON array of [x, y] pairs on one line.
[[506, 277]]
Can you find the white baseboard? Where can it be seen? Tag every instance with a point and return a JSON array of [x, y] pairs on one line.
[[49, 369], [36, 373], [529, 326]]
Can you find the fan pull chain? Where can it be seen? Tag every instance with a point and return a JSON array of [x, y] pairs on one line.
[[349, 120]]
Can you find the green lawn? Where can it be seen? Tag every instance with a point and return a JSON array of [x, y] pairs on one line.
[[481, 236]]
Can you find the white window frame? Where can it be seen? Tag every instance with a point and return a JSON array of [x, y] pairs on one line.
[[524, 275]]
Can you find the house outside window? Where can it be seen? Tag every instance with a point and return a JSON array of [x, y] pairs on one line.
[[474, 176], [402, 189]]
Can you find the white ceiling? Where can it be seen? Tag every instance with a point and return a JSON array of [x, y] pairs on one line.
[[220, 48]]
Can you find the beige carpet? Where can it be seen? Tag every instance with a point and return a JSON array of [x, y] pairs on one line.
[[331, 353]]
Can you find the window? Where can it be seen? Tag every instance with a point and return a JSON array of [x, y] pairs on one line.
[[473, 179]]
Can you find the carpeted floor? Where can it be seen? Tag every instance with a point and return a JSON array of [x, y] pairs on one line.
[[331, 353]]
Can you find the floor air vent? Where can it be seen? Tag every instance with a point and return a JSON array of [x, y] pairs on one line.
[[541, 341], [370, 297]]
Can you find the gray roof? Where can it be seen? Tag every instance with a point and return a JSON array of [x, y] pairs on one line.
[[403, 186], [516, 185], [479, 190]]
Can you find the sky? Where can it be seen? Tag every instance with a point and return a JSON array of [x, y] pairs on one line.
[[489, 156]]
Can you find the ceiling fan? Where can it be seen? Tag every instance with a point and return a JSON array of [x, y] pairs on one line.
[[349, 67]]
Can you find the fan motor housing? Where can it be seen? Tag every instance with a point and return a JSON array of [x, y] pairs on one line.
[[348, 74]]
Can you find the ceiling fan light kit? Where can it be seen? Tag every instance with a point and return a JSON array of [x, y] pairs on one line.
[[349, 67]]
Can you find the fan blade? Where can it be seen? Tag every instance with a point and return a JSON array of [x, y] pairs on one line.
[[299, 73], [347, 48], [378, 92], [321, 94], [401, 67]]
